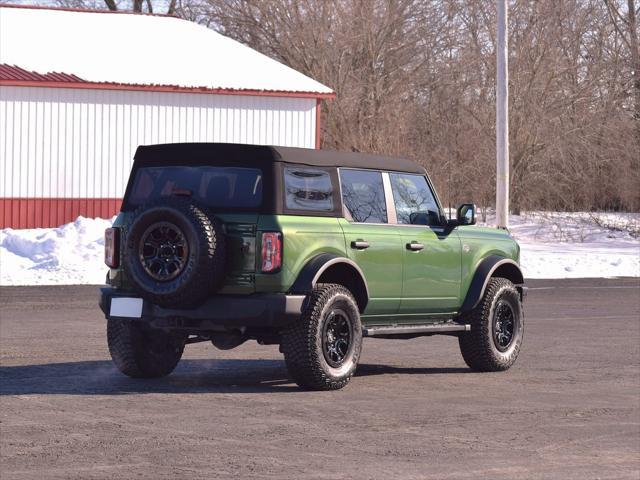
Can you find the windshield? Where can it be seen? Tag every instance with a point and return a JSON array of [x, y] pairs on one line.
[[227, 187]]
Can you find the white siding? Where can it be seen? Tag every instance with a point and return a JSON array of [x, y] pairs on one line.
[[75, 143]]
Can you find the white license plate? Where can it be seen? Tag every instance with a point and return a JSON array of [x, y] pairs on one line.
[[126, 307]]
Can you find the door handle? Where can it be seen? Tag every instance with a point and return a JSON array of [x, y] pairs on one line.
[[359, 244], [415, 246]]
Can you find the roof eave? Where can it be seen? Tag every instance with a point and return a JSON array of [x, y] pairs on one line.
[[165, 88]]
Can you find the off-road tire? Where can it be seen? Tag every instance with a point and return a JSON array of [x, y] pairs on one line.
[[478, 346], [204, 269], [141, 352], [302, 343]]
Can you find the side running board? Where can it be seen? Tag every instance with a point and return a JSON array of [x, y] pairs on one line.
[[411, 331]]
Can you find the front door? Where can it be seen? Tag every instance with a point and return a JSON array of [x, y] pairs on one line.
[[431, 253], [371, 241]]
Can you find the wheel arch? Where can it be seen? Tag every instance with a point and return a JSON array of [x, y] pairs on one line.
[[491, 267], [330, 268]]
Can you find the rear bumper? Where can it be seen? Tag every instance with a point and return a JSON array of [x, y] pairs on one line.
[[219, 312]]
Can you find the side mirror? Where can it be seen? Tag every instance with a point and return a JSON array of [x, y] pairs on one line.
[[466, 214]]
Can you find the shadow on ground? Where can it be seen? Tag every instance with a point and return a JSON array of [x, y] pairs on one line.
[[191, 376]]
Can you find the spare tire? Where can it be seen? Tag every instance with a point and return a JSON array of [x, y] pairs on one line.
[[174, 254]]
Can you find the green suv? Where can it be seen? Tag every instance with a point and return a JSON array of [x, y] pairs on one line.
[[309, 249]]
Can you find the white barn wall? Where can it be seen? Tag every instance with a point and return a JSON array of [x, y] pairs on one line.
[[75, 143], [62, 144]]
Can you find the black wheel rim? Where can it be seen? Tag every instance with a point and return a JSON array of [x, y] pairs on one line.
[[336, 337], [504, 325], [163, 251]]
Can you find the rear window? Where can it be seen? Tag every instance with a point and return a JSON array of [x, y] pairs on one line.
[[308, 189], [228, 187]]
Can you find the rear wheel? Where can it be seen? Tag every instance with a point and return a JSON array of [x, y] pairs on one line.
[[497, 329], [142, 352], [323, 348]]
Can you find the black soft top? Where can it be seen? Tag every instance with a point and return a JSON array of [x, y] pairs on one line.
[[234, 153]]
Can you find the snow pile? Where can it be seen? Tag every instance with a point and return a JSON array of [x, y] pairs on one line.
[[554, 245], [577, 245], [67, 255]]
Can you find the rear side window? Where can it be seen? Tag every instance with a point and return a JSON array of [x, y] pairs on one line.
[[216, 187], [363, 196], [308, 189], [415, 203]]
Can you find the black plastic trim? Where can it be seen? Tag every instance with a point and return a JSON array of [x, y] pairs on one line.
[[481, 278], [230, 311], [311, 272]]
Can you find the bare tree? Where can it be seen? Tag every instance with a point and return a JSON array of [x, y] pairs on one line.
[[138, 6], [417, 78], [626, 27]]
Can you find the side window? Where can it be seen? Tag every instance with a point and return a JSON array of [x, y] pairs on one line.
[[414, 200], [363, 196], [307, 189]]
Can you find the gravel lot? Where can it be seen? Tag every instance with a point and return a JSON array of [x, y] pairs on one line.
[[568, 409]]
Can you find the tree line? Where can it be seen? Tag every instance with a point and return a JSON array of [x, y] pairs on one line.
[[416, 78]]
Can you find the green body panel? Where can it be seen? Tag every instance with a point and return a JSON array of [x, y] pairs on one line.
[[303, 238], [479, 243], [240, 236], [381, 263], [431, 277], [404, 286]]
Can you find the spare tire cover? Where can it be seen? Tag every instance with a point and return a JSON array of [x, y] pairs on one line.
[[174, 253]]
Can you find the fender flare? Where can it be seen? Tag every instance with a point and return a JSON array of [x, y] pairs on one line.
[[484, 272], [310, 274]]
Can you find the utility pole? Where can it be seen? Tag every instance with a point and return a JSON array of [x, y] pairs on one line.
[[502, 119]]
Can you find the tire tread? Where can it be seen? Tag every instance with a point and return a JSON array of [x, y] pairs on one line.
[[210, 263], [303, 361], [475, 345], [126, 346]]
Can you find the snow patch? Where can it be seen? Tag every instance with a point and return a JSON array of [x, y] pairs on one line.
[[67, 255], [553, 245], [576, 245]]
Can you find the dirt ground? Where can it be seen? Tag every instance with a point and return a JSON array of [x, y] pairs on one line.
[[568, 409]]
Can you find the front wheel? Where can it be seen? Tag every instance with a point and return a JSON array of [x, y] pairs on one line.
[[141, 352], [322, 349], [497, 329]]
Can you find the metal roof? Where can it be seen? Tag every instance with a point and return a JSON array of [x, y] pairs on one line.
[[85, 49], [12, 72]]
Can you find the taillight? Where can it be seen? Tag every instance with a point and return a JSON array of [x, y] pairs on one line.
[[271, 251], [112, 247]]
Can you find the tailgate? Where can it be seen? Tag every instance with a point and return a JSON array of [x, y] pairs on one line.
[[240, 231]]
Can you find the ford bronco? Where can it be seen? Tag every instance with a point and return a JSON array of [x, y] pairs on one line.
[[308, 249]]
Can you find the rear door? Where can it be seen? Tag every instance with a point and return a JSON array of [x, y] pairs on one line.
[[371, 241], [431, 253]]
